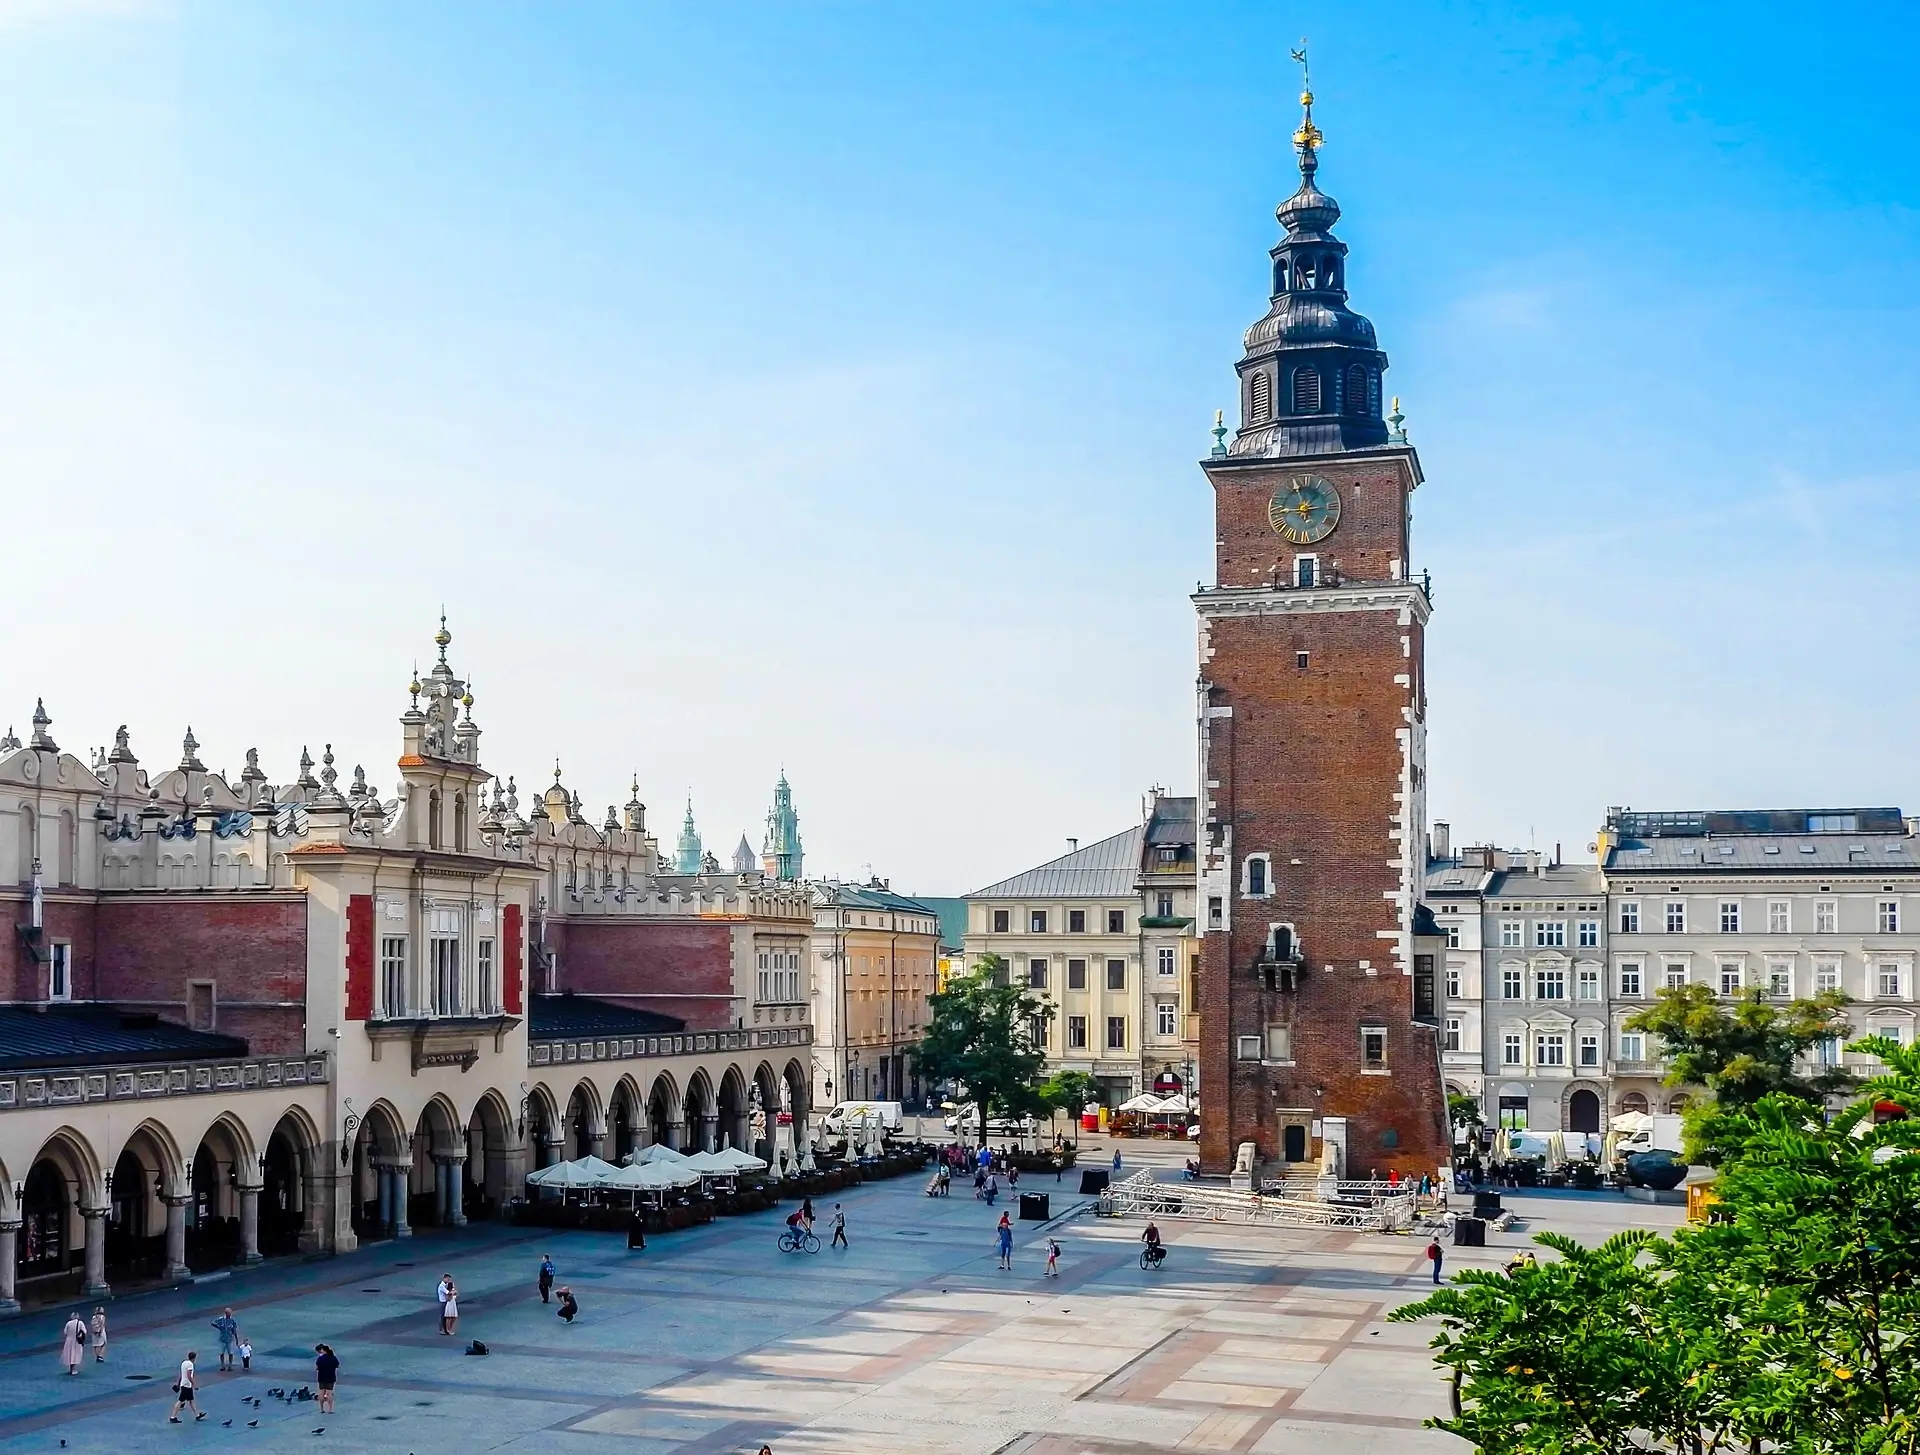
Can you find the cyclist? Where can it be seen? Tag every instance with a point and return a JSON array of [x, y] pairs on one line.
[[796, 1224], [1156, 1250]]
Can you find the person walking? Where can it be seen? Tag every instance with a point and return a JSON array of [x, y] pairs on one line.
[[546, 1277], [1053, 1258], [993, 1188], [326, 1370], [1434, 1255], [569, 1305], [1013, 1178], [449, 1297], [97, 1335], [839, 1230], [73, 1339], [1116, 1161], [1005, 1232], [184, 1388], [228, 1328], [806, 1212]]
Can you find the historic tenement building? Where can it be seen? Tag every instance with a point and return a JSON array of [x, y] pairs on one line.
[[1105, 933], [876, 961], [1318, 1013], [240, 1017]]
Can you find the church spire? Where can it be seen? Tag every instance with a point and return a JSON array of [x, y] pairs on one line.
[[1310, 376], [780, 854], [688, 855]]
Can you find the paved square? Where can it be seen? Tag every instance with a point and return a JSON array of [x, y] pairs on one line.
[[1250, 1339]]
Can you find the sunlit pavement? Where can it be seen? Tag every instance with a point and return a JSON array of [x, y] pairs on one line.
[[1249, 1339]]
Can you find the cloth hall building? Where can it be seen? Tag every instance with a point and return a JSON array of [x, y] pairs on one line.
[[240, 1018]]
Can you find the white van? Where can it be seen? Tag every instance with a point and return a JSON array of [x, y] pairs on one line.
[[964, 1121], [860, 1113]]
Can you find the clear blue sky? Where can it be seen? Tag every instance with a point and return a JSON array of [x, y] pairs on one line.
[[822, 385]]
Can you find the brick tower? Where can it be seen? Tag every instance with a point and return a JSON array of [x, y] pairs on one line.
[[1317, 1018]]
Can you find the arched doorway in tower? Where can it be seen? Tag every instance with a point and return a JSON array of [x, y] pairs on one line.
[[213, 1205], [487, 1174], [1583, 1111], [285, 1224]]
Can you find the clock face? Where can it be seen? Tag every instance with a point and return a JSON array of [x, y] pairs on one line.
[[1305, 511]]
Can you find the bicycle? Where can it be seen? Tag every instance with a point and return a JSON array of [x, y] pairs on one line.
[[1153, 1255], [794, 1240]]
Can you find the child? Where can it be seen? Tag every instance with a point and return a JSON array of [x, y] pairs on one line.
[[246, 1353], [1053, 1258]]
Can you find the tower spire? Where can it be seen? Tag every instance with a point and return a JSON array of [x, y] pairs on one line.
[[1309, 138]]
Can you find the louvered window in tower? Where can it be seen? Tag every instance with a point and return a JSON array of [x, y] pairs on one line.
[[1357, 389], [1259, 398], [1306, 391]]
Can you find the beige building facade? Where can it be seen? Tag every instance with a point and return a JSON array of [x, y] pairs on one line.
[[876, 962]]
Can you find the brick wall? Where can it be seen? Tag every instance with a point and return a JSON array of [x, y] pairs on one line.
[[678, 968], [1311, 765], [253, 947], [68, 918]]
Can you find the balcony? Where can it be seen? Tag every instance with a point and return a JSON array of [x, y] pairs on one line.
[[1635, 1068]]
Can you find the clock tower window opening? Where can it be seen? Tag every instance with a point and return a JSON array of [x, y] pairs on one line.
[[1306, 570], [1259, 397], [1306, 391]]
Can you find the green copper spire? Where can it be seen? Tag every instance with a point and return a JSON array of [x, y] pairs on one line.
[[687, 855], [780, 854]]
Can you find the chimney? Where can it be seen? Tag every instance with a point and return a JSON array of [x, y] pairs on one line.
[[1556, 853], [1533, 861], [1072, 844], [1442, 839]]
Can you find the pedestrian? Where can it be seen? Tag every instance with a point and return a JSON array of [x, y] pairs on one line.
[[1053, 1258], [1005, 1232], [806, 1212], [183, 1389], [326, 1369], [449, 1297], [228, 1328], [73, 1339], [246, 1353], [840, 1230], [1434, 1255], [546, 1277], [1116, 1161], [569, 1305], [1013, 1178], [993, 1188], [98, 1336]]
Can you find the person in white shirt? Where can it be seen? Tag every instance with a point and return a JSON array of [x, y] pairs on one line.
[[184, 1390]]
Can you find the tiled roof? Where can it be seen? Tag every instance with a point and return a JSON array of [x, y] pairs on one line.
[[571, 1017], [100, 1035], [1109, 869], [1766, 853], [1557, 879], [1444, 876]]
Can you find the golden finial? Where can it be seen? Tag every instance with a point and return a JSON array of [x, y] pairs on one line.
[[556, 770], [442, 637], [413, 685], [1309, 137]]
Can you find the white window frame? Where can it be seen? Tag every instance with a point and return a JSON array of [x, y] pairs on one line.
[[1826, 972], [1512, 934], [1729, 916], [1629, 916], [1306, 571], [1454, 982], [1826, 916], [1889, 973], [1513, 1049], [1247, 891], [1036, 921], [1167, 1019], [1589, 1050], [1370, 1063], [1779, 973], [1168, 960], [1550, 934], [1676, 916], [1039, 971], [60, 970], [1454, 1035], [1736, 970], [484, 971], [1887, 916], [1675, 974], [1513, 982], [1280, 1044], [1586, 982], [1121, 1044], [1587, 934], [1549, 1048], [1638, 970], [393, 976], [1779, 916], [1633, 1046], [1549, 982], [1453, 935], [1076, 1024]]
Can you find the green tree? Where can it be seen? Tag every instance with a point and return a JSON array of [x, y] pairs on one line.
[[1790, 1323], [1741, 1053], [988, 1035], [1464, 1111], [1069, 1091]]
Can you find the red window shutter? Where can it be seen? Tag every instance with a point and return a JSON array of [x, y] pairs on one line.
[[511, 962], [360, 957]]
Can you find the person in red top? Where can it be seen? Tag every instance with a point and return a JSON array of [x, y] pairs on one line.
[[1434, 1254]]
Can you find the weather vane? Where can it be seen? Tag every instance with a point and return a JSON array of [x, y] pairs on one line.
[[1309, 137]]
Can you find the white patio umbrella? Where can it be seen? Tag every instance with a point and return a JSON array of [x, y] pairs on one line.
[[1173, 1106], [594, 1169], [1145, 1101], [655, 1152], [718, 1164], [652, 1177]]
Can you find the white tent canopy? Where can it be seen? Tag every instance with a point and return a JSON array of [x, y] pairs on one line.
[[655, 1152], [1174, 1106], [1145, 1101], [652, 1177], [729, 1162], [586, 1172]]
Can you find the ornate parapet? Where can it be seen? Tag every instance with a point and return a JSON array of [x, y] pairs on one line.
[[64, 1086], [688, 1043]]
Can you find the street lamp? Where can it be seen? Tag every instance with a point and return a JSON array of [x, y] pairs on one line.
[[349, 1124]]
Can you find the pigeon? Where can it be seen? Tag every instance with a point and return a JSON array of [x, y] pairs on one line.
[[321, 1431], [253, 1424], [226, 1424]]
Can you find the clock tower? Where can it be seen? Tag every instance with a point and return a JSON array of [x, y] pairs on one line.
[[1318, 1013]]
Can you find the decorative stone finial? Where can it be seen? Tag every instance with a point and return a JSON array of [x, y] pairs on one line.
[[443, 637], [41, 722], [1309, 138], [1219, 434], [251, 773], [9, 743], [121, 753], [413, 689], [189, 754], [513, 797], [1396, 424], [328, 775], [306, 778], [359, 789]]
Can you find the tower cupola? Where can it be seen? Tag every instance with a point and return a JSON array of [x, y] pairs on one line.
[[1310, 376]]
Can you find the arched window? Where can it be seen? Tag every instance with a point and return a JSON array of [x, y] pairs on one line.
[[1259, 398], [460, 823], [1633, 1101], [1357, 389], [1306, 391], [1280, 276], [433, 819], [1257, 876]]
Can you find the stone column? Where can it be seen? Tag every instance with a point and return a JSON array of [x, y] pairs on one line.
[[457, 1190], [709, 1130], [596, 1144], [442, 1210], [176, 1267], [9, 1243], [676, 1134], [95, 1280], [250, 1225], [402, 1191], [550, 1148], [316, 1203]]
